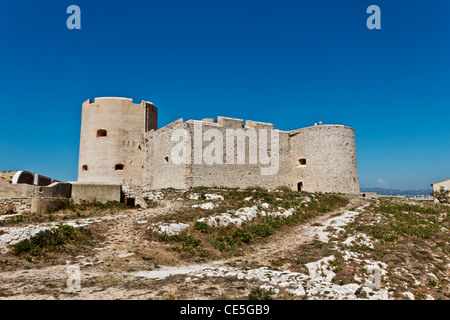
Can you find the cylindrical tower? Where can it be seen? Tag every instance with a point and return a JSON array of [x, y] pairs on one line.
[[111, 140], [324, 159]]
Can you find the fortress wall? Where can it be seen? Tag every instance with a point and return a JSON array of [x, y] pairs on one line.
[[116, 131], [124, 124], [238, 175], [159, 170], [330, 154]]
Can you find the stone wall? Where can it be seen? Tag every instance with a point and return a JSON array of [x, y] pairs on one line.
[[20, 204], [54, 190], [233, 173], [20, 195], [96, 192], [162, 171], [159, 170], [9, 190], [314, 159]]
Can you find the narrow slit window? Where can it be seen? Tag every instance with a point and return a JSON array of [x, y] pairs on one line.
[[119, 167], [102, 133]]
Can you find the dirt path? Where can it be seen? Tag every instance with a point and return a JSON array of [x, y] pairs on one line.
[[279, 245], [283, 243]]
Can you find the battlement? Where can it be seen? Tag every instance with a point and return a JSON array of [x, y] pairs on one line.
[[104, 100], [232, 123], [319, 127], [167, 127]]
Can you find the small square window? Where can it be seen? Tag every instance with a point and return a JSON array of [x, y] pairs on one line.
[[119, 167], [102, 133]]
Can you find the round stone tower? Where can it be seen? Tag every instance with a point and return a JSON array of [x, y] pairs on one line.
[[323, 159], [111, 140]]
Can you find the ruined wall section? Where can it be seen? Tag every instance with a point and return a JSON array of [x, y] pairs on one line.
[[112, 146], [323, 159]]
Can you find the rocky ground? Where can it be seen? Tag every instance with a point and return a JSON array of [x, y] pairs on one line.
[[229, 244]]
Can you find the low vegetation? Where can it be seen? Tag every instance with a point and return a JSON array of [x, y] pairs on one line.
[[67, 209], [409, 222], [260, 294], [407, 239], [61, 239], [410, 238], [226, 239], [84, 205]]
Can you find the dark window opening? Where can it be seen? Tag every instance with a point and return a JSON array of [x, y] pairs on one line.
[[102, 133], [119, 167], [302, 161], [166, 159], [300, 186], [84, 168]]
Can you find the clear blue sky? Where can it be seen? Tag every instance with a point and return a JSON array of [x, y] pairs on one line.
[[287, 62]]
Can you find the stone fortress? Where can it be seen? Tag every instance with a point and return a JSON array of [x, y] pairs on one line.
[[120, 143]]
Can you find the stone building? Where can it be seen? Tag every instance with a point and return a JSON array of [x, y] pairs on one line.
[[444, 184], [120, 143]]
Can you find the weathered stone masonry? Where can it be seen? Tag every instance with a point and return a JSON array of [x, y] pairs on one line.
[[120, 143]]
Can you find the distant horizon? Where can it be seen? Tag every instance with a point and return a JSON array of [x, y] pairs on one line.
[[365, 187], [401, 189]]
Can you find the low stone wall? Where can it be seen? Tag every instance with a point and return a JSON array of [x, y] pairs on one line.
[[57, 190], [39, 205], [19, 196], [9, 190], [98, 192], [54, 190], [20, 204]]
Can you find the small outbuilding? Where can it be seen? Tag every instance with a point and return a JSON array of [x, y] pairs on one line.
[[444, 184]]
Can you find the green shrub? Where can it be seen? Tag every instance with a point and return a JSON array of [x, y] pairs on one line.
[[191, 245], [167, 238], [202, 226], [260, 294], [262, 230], [54, 240], [243, 236], [442, 195]]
